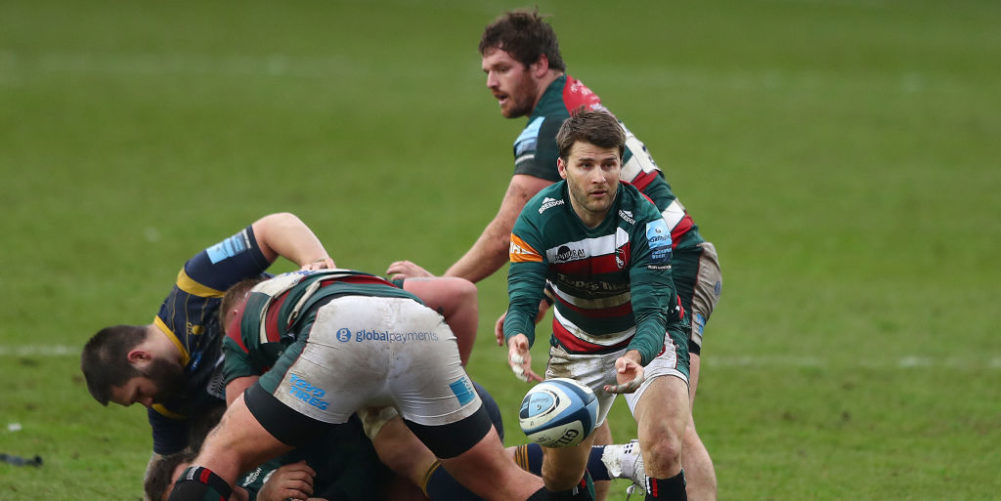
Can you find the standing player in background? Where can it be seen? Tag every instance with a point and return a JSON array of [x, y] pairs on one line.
[[527, 75]]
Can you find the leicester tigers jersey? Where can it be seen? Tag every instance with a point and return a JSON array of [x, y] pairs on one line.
[[189, 317], [535, 154], [282, 308], [612, 283]]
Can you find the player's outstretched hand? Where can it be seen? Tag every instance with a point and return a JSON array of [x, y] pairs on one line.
[[629, 375], [406, 269], [291, 481], [520, 358]]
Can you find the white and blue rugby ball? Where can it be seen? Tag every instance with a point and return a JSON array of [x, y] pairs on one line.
[[558, 412]]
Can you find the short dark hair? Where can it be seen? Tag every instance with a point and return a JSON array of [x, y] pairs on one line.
[[234, 293], [597, 127], [526, 36], [105, 361], [161, 472]]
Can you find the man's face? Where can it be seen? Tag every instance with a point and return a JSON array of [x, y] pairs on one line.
[[159, 380], [511, 83], [592, 175]]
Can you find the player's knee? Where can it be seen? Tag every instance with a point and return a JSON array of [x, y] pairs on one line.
[[663, 454]]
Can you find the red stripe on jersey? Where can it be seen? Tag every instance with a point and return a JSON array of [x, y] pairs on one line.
[[577, 345], [359, 279], [615, 311], [680, 229], [233, 329], [271, 319], [203, 476], [643, 179], [576, 95], [596, 264]]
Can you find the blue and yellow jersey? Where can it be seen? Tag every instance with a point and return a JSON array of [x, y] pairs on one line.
[[189, 317]]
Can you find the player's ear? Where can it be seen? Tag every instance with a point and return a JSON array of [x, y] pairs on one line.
[[139, 356], [540, 67], [561, 167]]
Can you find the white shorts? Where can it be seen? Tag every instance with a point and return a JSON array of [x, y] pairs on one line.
[[597, 370], [366, 351]]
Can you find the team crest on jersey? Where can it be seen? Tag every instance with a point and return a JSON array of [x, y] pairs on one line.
[[620, 257], [549, 203]]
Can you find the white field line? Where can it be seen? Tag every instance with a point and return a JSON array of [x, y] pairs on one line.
[[900, 362]]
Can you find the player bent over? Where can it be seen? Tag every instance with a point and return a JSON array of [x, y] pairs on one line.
[[604, 250], [337, 342]]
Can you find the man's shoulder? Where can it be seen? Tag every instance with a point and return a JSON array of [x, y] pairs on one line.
[[546, 199], [637, 202]]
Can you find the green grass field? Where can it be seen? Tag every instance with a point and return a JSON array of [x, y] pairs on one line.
[[838, 153]]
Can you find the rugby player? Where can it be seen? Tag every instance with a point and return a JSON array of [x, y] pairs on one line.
[[604, 249], [306, 350], [173, 366], [527, 75]]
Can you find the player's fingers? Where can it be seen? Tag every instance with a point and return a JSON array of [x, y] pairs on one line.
[[627, 387], [499, 330], [519, 372]]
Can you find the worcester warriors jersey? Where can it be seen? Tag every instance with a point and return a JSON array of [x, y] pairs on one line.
[[612, 284], [535, 154], [189, 317], [279, 310]]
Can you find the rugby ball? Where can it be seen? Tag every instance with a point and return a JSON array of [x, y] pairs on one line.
[[558, 412]]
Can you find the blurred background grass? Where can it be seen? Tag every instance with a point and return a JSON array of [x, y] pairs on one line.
[[841, 154]]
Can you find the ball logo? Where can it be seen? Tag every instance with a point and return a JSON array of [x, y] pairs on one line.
[[343, 335]]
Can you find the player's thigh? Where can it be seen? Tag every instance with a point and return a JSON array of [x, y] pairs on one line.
[[699, 282], [662, 412], [671, 364]]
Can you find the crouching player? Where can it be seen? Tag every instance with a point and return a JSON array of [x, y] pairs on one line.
[[327, 344]]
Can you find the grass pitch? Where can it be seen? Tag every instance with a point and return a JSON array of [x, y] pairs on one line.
[[842, 155]]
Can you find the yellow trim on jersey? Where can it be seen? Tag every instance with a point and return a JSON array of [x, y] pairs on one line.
[[189, 285], [521, 252], [427, 477], [185, 356], [163, 410]]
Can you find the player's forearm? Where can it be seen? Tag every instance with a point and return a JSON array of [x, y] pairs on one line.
[[526, 283], [649, 338], [284, 234], [486, 256]]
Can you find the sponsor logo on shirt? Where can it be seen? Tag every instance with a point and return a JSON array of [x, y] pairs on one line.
[[549, 203], [229, 247], [627, 216], [565, 254], [306, 392], [463, 390], [658, 238], [344, 335]]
